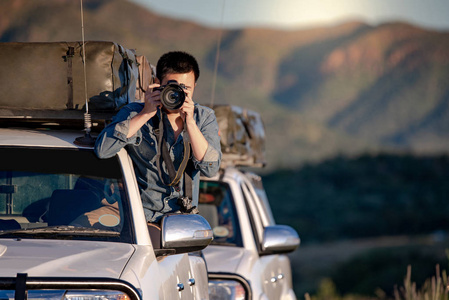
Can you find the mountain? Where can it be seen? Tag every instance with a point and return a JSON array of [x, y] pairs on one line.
[[343, 89]]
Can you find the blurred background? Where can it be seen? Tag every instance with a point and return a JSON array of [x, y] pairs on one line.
[[354, 95]]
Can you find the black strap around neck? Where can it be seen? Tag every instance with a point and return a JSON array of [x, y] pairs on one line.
[[164, 155], [188, 181]]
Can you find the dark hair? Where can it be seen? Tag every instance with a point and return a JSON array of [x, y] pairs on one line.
[[177, 62]]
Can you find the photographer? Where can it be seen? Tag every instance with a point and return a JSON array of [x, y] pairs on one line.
[[157, 134]]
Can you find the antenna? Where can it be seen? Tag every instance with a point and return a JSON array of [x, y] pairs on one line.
[[84, 57], [217, 56], [87, 139]]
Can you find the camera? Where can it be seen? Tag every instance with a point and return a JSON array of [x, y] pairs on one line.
[[172, 95]]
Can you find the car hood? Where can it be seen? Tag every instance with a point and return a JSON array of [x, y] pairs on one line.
[[223, 258], [63, 258]]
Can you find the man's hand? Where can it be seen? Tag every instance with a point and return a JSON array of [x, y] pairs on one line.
[[187, 110], [197, 141], [152, 102], [152, 99]]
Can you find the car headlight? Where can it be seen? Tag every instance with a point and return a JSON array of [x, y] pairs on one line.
[[226, 290], [96, 295], [65, 288], [69, 295]]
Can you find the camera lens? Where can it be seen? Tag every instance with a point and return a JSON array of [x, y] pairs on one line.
[[172, 96]]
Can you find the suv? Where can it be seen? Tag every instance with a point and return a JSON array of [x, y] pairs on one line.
[[246, 258], [72, 226]]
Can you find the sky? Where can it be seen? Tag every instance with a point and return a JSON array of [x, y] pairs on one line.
[[292, 14]]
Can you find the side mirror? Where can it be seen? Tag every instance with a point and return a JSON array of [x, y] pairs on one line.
[[185, 233], [279, 239]]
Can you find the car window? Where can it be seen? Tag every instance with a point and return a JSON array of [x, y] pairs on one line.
[[217, 206], [62, 194]]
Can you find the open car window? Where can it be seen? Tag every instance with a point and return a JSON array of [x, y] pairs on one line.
[[217, 206], [62, 194]]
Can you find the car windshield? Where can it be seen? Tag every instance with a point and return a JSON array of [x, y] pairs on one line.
[[216, 205], [62, 194]]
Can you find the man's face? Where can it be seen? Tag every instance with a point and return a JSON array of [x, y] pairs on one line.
[[188, 79]]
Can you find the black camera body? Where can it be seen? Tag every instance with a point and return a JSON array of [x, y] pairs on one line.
[[172, 95]]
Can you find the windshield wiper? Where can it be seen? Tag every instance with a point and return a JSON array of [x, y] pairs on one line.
[[60, 230]]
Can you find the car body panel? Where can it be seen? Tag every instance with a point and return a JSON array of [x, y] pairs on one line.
[[197, 276], [216, 262], [70, 258], [39, 138]]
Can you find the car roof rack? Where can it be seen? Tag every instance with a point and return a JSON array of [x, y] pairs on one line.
[[54, 119]]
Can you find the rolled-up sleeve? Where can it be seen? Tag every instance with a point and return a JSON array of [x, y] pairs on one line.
[[114, 136], [210, 163]]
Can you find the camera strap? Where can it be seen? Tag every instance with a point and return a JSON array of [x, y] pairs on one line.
[[164, 155]]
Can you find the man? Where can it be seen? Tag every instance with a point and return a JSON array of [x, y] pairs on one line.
[[137, 127]]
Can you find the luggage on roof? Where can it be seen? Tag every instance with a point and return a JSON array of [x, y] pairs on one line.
[[242, 136], [42, 82], [51, 76]]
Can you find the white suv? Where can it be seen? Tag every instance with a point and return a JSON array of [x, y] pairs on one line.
[[72, 226], [246, 259]]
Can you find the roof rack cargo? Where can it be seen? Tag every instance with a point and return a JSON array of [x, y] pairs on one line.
[[242, 136], [49, 86]]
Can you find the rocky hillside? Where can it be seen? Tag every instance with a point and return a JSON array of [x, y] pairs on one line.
[[345, 89]]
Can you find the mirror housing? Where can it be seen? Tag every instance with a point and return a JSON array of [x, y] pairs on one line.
[[185, 233], [279, 239]]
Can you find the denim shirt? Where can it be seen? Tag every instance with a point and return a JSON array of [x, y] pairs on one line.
[[157, 198]]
